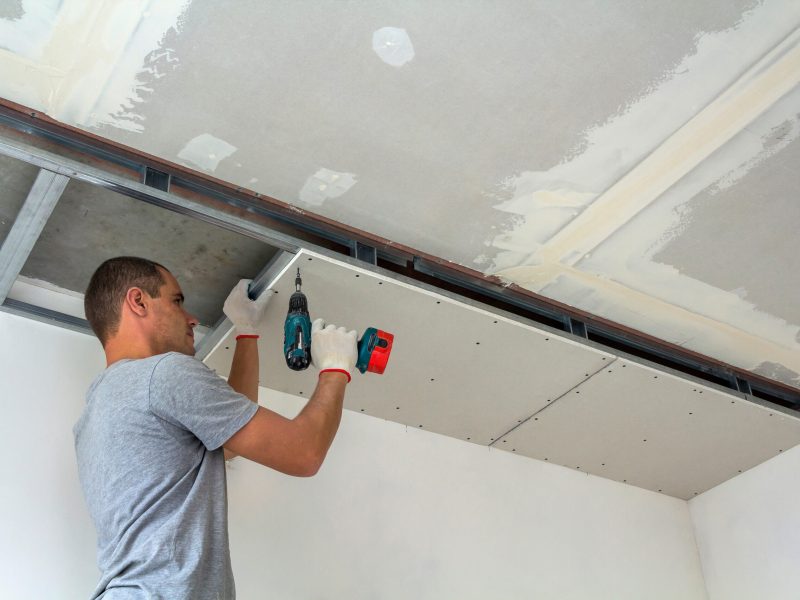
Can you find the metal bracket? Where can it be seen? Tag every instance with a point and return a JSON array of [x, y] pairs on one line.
[[575, 327], [156, 179], [743, 386], [363, 252]]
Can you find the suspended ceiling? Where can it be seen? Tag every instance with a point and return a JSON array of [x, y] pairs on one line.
[[636, 160], [495, 380]]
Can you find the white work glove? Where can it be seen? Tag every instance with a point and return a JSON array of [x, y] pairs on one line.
[[333, 348], [245, 314]]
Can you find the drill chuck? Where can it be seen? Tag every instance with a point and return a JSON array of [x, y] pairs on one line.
[[298, 303]]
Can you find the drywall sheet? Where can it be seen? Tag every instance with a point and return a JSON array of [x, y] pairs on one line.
[[455, 369], [648, 428], [462, 371]]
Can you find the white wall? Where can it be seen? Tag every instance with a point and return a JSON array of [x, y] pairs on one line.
[[748, 531], [47, 542], [393, 514]]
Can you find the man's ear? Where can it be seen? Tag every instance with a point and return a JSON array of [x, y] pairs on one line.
[[137, 301]]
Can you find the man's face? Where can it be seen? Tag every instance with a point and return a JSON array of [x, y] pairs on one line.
[[173, 326]]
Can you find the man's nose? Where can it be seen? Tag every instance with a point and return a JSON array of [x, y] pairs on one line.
[[193, 321]]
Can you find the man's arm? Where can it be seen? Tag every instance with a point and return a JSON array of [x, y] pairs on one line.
[[294, 446], [298, 446], [246, 316]]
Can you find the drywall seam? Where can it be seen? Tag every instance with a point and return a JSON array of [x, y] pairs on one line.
[[549, 404], [758, 89]]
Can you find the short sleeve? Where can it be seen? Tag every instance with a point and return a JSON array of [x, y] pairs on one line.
[[189, 395]]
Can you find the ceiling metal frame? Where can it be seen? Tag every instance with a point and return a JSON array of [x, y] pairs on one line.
[[28, 225], [38, 140]]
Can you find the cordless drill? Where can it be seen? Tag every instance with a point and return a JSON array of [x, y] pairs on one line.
[[297, 330], [374, 346]]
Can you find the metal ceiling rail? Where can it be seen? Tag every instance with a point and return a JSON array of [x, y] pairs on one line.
[[289, 228], [27, 227], [45, 315], [260, 282], [140, 191]]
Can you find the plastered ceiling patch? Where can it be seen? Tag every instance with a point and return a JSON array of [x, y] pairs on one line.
[[393, 46], [602, 258], [622, 280], [26, 31], [325, 184], [553, 208], [629, 257], [11, 10], [610, 150], [206, 152], [82, 62], [766, 145], [143, 54]]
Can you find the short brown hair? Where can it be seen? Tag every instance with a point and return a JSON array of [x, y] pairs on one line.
[[108, 286]]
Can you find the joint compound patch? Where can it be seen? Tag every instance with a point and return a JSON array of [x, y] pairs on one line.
[[206, 151], [326, 184], [393, 46]]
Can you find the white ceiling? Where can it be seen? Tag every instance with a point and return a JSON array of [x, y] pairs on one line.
[[637, 160]]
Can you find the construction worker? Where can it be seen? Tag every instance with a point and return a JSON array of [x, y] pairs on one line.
[[158, 425]]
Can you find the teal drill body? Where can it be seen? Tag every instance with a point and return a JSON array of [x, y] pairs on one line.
[[297, 330]]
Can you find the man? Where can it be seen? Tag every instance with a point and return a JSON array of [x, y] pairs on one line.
[[152, 440]]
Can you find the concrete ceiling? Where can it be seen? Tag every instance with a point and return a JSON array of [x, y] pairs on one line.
[[637, 160]]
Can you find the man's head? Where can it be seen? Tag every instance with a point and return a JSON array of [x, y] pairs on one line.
[[137, 303]]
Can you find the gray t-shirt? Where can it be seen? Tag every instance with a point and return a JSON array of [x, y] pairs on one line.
[[151, 464]]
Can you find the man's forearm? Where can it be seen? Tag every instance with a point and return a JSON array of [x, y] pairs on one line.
[[244, 369], [323, 412]]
